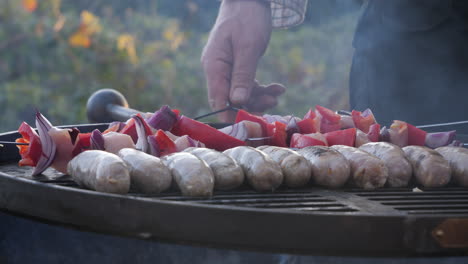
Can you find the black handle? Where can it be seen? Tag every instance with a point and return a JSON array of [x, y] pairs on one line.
[[107, 105]]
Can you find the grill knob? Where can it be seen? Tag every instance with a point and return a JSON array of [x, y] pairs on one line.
[[107, 105]]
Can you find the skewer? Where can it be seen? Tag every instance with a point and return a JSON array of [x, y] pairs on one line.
[[444, 124], [227, 108], [12, 143]]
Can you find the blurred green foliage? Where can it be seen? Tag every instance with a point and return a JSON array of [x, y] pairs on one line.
[[41, 69]]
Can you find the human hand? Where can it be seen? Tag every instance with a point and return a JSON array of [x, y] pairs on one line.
[[236, 43]]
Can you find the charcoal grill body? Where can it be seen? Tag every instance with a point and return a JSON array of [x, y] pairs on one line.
[[309, 221]]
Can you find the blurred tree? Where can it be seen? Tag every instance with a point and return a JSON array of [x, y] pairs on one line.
[[54, 54]]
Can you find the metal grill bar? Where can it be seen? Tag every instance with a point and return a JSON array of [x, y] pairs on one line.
[[384, 201]]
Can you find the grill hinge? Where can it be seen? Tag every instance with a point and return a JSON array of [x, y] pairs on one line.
[[452, 233]]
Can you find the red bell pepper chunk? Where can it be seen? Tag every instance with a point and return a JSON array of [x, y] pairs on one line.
[[130, 129], [206, 134], [308, 125], [277, 134], [345, 137], [31, 153], [302, 141], [244, 115], [330, 121], [374, 133], [328, 114], [326, 127], [165, 144], [363, 122], [310, 114], [177, 112], [416, 136], [82, 143]]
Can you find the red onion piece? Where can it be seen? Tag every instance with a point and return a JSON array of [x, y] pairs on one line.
[[274, 118], [184, 142], [440, 139], [116, 126], [292, 127], [237, 130], [142, 142], [162, 119], [346, 122], [49, 148], [361, 138], [192, 142], [399, 133], [384, 134], [153, 146], [170, 135], [73, 134], [456, 143], [367, 113], [97, 140]]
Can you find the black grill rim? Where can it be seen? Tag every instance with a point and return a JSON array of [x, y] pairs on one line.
[[236, 227]]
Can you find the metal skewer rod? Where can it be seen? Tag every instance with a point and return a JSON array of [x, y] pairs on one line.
[[227, 108], [12, 143], [444, 124]]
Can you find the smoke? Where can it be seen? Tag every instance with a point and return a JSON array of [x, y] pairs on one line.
[[411, 60]]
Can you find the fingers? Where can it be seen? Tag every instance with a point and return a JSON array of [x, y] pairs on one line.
[[274, 89], [217, 66], [261, 103], [264, 97], [243, 75], [218, 83]]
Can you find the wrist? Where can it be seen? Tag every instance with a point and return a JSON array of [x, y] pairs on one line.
[[266, 3]]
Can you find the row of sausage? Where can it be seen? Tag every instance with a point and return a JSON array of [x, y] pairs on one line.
[[200, 171]]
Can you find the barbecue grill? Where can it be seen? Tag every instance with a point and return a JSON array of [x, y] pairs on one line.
[[314, 221]]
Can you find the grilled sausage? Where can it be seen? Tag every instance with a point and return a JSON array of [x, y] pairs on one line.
[[262, 173], [329, 167], [228, 174], [296, 169], [367, 171], [148, 173], [458, 160], [429, 166], [101, 171], [399, 168], [192, 175]]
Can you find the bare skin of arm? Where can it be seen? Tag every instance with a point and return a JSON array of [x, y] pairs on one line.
[[236, 43]]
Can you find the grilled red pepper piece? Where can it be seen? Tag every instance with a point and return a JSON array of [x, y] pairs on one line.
[[82, 143], [328, 114], [310, 123], [345, 137], [165, 145], [244, 115], [416, 136], [206, 134], [310, 114], [374, 133], [29, 153], [363, 121], [177, 112], [307, 126], [277, 133], [130, 129], [302, 141], [330, 120]]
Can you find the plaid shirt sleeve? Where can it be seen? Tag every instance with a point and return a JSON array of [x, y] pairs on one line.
[[287, 13]]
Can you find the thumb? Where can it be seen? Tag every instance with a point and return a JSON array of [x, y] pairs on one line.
[[243, 75]]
